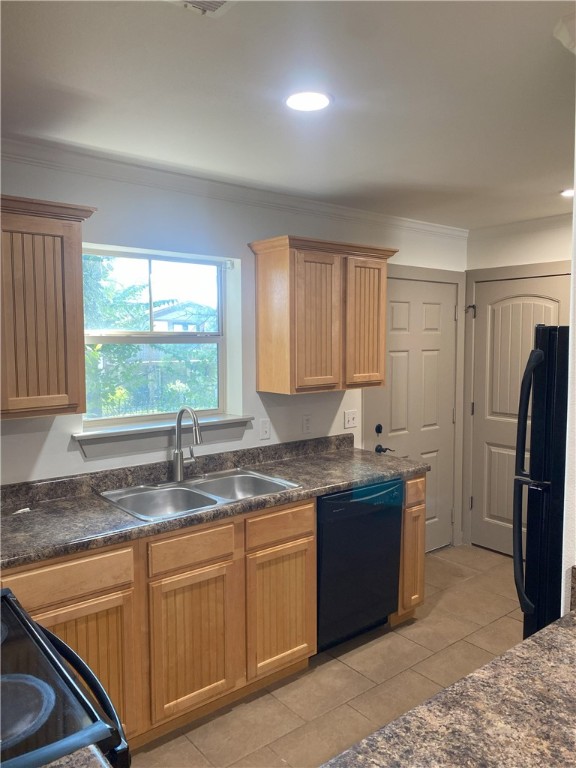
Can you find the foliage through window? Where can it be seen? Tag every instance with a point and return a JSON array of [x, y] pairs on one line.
[[153, 332]]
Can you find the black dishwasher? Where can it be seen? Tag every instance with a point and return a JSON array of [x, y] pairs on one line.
[[358, 559]]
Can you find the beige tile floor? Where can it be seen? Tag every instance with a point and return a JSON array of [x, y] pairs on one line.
[[469, 616]]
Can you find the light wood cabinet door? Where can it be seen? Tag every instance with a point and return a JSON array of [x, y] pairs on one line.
[[412, 551], [411, 589], [101, 631], [42, 310], [318, 336], [414, 548], [365, 329], [281, 606], [197, 638], [320, 314]]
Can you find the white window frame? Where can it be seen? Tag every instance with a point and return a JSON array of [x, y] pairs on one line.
[[143, 337]]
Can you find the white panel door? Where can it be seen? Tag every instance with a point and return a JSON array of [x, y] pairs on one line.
[[416, 407], [506, 313]]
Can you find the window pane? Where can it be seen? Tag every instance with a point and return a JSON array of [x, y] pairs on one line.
[[184, 296], [137, 379], [116, 294]]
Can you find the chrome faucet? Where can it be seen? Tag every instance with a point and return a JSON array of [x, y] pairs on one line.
[[178, 460]]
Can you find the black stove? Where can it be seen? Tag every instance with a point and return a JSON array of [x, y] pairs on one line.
[[51, 702]]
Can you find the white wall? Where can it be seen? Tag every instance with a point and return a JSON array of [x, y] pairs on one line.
[[154, 209], [525, 242]]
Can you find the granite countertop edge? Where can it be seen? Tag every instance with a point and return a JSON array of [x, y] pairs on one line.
[[47, 529], [87, 757]]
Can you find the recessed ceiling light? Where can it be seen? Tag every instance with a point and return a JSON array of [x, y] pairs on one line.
[[567, 193], [308, 101]]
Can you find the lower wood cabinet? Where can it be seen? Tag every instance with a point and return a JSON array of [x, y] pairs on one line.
[[196, 627], [229, 604], [90, 602], [101, 631], [281, 606], [413, 544], [411, 587], [174, 623]]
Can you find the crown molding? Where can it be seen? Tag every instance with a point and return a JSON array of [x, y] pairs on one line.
[[125, 170], [496, 232]]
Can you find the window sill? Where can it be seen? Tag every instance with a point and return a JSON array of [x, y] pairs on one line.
[[157, 436]]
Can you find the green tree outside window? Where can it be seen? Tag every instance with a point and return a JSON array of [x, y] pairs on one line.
[[151, 347]]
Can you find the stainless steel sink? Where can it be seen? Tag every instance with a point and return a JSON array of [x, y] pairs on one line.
[[150, 503], [239, 484], [162, 502]]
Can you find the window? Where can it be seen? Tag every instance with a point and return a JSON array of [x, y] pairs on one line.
[[154, 334]]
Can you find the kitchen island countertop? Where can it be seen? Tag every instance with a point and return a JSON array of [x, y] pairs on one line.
[[518, 711], [89, 757], [36, 528]]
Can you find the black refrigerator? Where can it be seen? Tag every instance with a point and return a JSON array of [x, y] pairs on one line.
[[540, 474]]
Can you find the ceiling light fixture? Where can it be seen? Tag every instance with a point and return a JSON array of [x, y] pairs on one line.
[[308, 101], [567, 193]]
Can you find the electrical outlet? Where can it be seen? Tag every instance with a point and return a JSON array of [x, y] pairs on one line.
[[306, 423], [264, 429], [350, 419]]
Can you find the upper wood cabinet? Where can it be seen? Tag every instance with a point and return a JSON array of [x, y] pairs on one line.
[[320, 315], [42, 310]]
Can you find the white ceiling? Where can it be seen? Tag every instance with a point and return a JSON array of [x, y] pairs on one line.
[[458, 113]]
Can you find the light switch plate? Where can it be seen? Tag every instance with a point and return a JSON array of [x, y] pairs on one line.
[[350, 419], [264, 429]]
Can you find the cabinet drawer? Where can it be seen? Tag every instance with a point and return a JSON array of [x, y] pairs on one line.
[[415, 491], [280, 526], [191, 549], [71, 580]]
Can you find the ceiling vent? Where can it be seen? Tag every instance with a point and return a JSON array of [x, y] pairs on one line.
[[211, 8]]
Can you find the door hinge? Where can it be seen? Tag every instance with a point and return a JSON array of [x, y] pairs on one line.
[[452, 516], [453, 415], [471, 502], [472, 408], [473, 308], [456, 312]]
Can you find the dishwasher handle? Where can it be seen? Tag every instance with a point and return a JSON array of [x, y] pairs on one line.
[[355, 510], [385, 494]]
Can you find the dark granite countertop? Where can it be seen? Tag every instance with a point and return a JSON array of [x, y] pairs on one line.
[[517, 711], [49, 519], [89, 757]]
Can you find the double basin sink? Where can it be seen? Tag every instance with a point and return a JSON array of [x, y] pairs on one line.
[[162, 502]]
